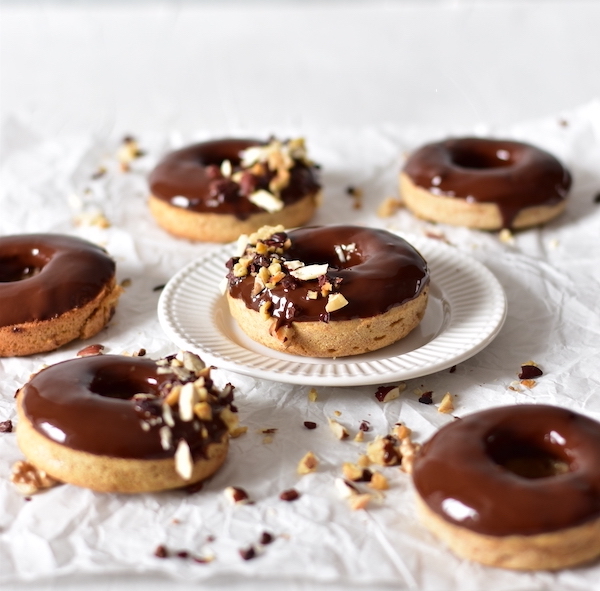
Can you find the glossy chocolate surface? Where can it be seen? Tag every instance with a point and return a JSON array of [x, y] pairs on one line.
[[45, 275], [384, 271], [86, 404], [461, 473], [511, 174], [182, 179]]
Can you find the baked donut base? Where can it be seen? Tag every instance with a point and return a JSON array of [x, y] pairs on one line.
[[28, 338], [457, 211], [214, 227], [110, 474], [337, 338], [547, 551]]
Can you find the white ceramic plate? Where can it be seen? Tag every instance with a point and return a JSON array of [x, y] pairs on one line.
[[466, 310]]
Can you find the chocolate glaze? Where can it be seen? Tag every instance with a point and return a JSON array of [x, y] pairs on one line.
[[45, 275], [383, 272], [86, 404], [183, 173], [460, 473], [511, 174]]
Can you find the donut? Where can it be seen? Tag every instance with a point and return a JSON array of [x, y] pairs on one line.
[[53, 289], [218, 190], [327, 291], [515, 487], [487, 184], [113, 423]]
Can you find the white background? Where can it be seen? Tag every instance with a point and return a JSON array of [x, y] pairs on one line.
[[103, 69]]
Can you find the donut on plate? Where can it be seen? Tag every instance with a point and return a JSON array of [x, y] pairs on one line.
[[215, 191], [487, 184], [53, 289], [514, 487], [126, 424], [327, 291]]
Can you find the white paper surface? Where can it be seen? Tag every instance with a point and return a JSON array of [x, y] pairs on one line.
[[552, 280]]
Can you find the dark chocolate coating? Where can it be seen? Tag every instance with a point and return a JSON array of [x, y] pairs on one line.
[[385, 271], [460, 472], [42, 276], [182, 173], [513, 175], [86, 404]]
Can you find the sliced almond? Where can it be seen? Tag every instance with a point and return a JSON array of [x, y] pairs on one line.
[[184, 465], [266, 201], [187, 400], [309, 272]]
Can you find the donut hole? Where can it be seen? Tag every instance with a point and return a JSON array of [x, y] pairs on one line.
[[482, 159], [19, 268], [119, 382], [527, 459]]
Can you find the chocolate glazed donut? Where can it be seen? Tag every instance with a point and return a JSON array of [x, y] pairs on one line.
[[513, 176], [208, 191], [370, 289], [183, 179], [109, 423], [517, 486], [53, 289]]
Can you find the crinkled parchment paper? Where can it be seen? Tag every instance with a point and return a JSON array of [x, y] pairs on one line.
[[552, 280]]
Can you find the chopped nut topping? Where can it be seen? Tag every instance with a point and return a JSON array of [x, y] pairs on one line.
[[346, 489], [360, 501], [506, 236], [408, 449], [7, 426], [388, 393], [307, 464], [529, 371], [188, 398], [30, 480], [90, 350], [529, 383], [446, 405], [309, 272], [338, 430], [359, 437], [388, 207], [312, 395], [203, 411], [238, 496], [383, 451], [355, 473], [248, 553], [166, 437], [184, 465], [173, 396], [289, 495], [401, 431], [335, 302], [426, 398], [363, 461], [266, 538], [379, 481], [266, 201], [237, 431]]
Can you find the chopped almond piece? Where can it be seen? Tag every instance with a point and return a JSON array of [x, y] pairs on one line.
[[307, 464], [446, 405]]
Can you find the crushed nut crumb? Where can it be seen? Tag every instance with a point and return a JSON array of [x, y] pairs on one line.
[[307, 464], [446, 405]]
